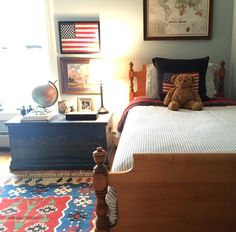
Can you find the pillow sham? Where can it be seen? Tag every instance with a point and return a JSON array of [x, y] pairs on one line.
[[151, 82], [210, 79], [164, 65]]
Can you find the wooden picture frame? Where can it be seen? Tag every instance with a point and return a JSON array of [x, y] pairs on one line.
[[185, 21], [79, 37], [75, 76], [84, 104]]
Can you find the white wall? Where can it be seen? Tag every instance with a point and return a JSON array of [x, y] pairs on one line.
[[233, 56], [121, 23], [4, 138]]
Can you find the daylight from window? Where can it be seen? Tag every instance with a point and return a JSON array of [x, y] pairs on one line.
[[24, 57]]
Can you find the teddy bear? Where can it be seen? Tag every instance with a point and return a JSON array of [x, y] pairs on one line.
[[183, 95]]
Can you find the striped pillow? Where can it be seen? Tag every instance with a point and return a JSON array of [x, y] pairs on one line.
[[168, 84]]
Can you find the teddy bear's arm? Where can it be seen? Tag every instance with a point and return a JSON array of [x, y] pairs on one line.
[[168, 96], [196, 96]]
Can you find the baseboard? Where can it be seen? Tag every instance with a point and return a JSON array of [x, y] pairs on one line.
[[4, 140], [5, 149]]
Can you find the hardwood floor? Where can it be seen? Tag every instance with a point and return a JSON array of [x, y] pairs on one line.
[[5, 159]]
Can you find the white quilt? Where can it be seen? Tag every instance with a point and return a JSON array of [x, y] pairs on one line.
[[155, 129]]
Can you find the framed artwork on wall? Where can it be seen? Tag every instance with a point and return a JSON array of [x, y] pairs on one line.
[[177, 20], [85, 104], [79, 37], [75, 78]]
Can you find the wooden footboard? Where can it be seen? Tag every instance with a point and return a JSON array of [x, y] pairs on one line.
[[170, 192]]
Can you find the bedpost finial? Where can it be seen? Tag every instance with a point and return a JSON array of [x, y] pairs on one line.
[[222, 72], [222, 64], [100, 184], [221, 77], [131, 65], [99, 156]]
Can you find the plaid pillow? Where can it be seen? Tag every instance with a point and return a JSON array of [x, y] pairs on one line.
[[168, 84]]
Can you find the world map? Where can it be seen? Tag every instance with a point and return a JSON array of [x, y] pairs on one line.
[[182, 7], [178, 17]]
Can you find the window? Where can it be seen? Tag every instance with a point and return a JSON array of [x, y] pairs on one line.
[[24, 53]]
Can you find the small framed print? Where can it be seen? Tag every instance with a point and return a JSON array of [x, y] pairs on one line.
[[75, 78], [85, 104]]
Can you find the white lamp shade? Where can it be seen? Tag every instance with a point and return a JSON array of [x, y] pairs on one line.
[[100, 70]]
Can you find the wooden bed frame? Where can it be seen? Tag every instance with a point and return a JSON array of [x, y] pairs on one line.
[[169, 192]]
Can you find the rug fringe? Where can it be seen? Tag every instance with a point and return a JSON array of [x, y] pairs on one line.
[[52, 174]]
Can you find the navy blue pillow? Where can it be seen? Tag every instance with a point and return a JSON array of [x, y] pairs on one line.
[[198, 65]]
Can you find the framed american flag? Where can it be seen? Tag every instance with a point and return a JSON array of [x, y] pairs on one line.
[[79, 37]]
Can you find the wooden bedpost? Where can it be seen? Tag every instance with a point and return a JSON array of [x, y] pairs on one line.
[[137, 82], [100, 182], [131, 79], [221, 77]]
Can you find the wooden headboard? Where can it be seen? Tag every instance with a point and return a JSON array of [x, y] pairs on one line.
[[140, 77]]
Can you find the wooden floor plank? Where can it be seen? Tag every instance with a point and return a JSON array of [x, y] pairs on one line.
[[5, 159]]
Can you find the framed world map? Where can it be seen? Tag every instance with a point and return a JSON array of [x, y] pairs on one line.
[[177, 19]]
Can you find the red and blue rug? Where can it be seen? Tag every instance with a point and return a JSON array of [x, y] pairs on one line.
[[47, 202]]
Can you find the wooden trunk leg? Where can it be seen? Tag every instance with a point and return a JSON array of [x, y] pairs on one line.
[[100, 183]]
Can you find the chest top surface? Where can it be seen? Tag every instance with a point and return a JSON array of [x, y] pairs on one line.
[[60, 119]]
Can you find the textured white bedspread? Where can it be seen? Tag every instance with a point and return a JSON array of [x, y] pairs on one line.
[[154, 129]]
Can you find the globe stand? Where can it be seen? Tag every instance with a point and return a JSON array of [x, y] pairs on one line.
[[45, 96], [42, 110]]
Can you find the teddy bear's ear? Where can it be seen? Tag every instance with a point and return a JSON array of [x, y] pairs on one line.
[[173, 78]]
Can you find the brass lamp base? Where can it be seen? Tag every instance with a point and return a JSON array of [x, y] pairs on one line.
[[102, 110]]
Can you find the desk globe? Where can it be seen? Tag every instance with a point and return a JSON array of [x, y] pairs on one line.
[[45, 95]]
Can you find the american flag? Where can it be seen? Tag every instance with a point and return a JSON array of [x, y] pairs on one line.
[[79, 37], [168, 84]]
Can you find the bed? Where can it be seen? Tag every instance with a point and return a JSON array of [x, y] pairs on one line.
[[172, 171]]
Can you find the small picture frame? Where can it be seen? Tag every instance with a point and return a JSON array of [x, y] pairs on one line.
[[75, 78], [85, 104]]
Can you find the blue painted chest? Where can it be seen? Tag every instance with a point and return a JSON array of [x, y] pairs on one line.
[[58, 144]]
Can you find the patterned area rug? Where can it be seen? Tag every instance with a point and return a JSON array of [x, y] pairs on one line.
[[47, 202]]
